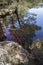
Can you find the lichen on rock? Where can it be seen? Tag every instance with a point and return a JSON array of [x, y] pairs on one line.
[[12, 53]]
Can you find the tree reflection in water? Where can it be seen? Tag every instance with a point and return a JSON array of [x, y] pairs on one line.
[[25, 34]]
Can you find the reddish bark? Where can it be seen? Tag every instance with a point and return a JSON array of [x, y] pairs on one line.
[[16, 37]]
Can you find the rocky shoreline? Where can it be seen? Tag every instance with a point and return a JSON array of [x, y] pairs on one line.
[[12, 53]]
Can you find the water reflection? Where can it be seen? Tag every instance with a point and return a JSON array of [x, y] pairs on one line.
[[40, 5], [39, 12], [28, 30]]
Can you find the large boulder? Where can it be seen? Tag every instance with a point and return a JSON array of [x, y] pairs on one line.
[[12, 53]]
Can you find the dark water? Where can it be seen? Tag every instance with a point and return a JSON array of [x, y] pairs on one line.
[[39, 21]]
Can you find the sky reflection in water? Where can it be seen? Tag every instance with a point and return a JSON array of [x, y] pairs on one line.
[[39, 22], [39, 12]]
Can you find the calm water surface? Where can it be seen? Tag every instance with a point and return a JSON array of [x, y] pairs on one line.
[[39, 21]]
